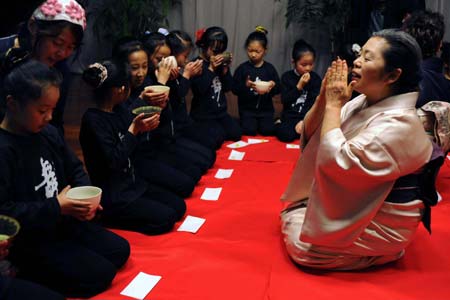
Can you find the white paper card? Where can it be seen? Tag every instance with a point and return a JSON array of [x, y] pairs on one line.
[[238, 144], [292, 146], [140, 286], [191, 224], [439, 197], [224, 173], [256, 141], [236, 155], [211, 194]]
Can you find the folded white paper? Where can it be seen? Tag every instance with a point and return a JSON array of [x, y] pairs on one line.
[[223, 173], [140, 286], [256, 141], [236, 155], [292, 146], [211, 194], [238, 144], [191, 224], [439, 197]]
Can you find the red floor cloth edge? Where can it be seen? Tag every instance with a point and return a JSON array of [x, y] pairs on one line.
[[238, 252]]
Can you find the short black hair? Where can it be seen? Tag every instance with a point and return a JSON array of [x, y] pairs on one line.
[[259, 35], [126, 46], [301, 47], [117, 75], [26, 81], [153, 41], [214, 37], [178, 41], [428, 29]]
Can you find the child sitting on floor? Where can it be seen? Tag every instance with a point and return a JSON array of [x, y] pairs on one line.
[[108, 139], [299, 89], [56, 246]]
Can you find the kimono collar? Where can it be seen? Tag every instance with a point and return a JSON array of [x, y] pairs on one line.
[[362, 112]]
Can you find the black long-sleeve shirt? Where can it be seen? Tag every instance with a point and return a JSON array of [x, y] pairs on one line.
[[433, 85], [249, 100], [108, 149], [209, 88], [177, 97], [34, 169], [297, 103]]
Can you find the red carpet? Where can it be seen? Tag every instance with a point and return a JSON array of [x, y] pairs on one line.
[[238, 252]]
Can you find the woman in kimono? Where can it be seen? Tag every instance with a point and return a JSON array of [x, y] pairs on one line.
[[355, 198]]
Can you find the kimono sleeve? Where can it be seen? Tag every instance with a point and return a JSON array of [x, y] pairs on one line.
[[354, 175]]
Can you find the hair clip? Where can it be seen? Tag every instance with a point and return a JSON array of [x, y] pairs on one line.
[[163, 31], [103, 73], [199, 34], [356, 49], [261, 29]]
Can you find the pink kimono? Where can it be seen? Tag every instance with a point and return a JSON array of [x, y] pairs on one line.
[[338, 218]]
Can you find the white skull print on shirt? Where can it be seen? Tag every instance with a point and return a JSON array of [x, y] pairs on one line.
[[300, 102], [217, 86], [49, 179]]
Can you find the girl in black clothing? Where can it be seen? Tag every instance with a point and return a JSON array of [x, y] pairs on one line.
[[108, 139], [209, 103], [56, 246], [152, 163], [299, 89], [192, 152], [180, 44], [256, 108]]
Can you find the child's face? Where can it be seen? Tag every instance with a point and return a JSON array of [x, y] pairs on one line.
[[255, 52], [51, 49], [182, 58], [159, 54], [138, 61], [305, 64], [215, 49], [37, 113]]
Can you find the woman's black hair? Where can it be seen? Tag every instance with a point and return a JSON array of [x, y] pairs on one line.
[[106, 75], [428, 29], [214, 37], [260, 35], [126, 46], [301, 48], [403, 52], [28, 79], [153, 41], [178, 41]]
